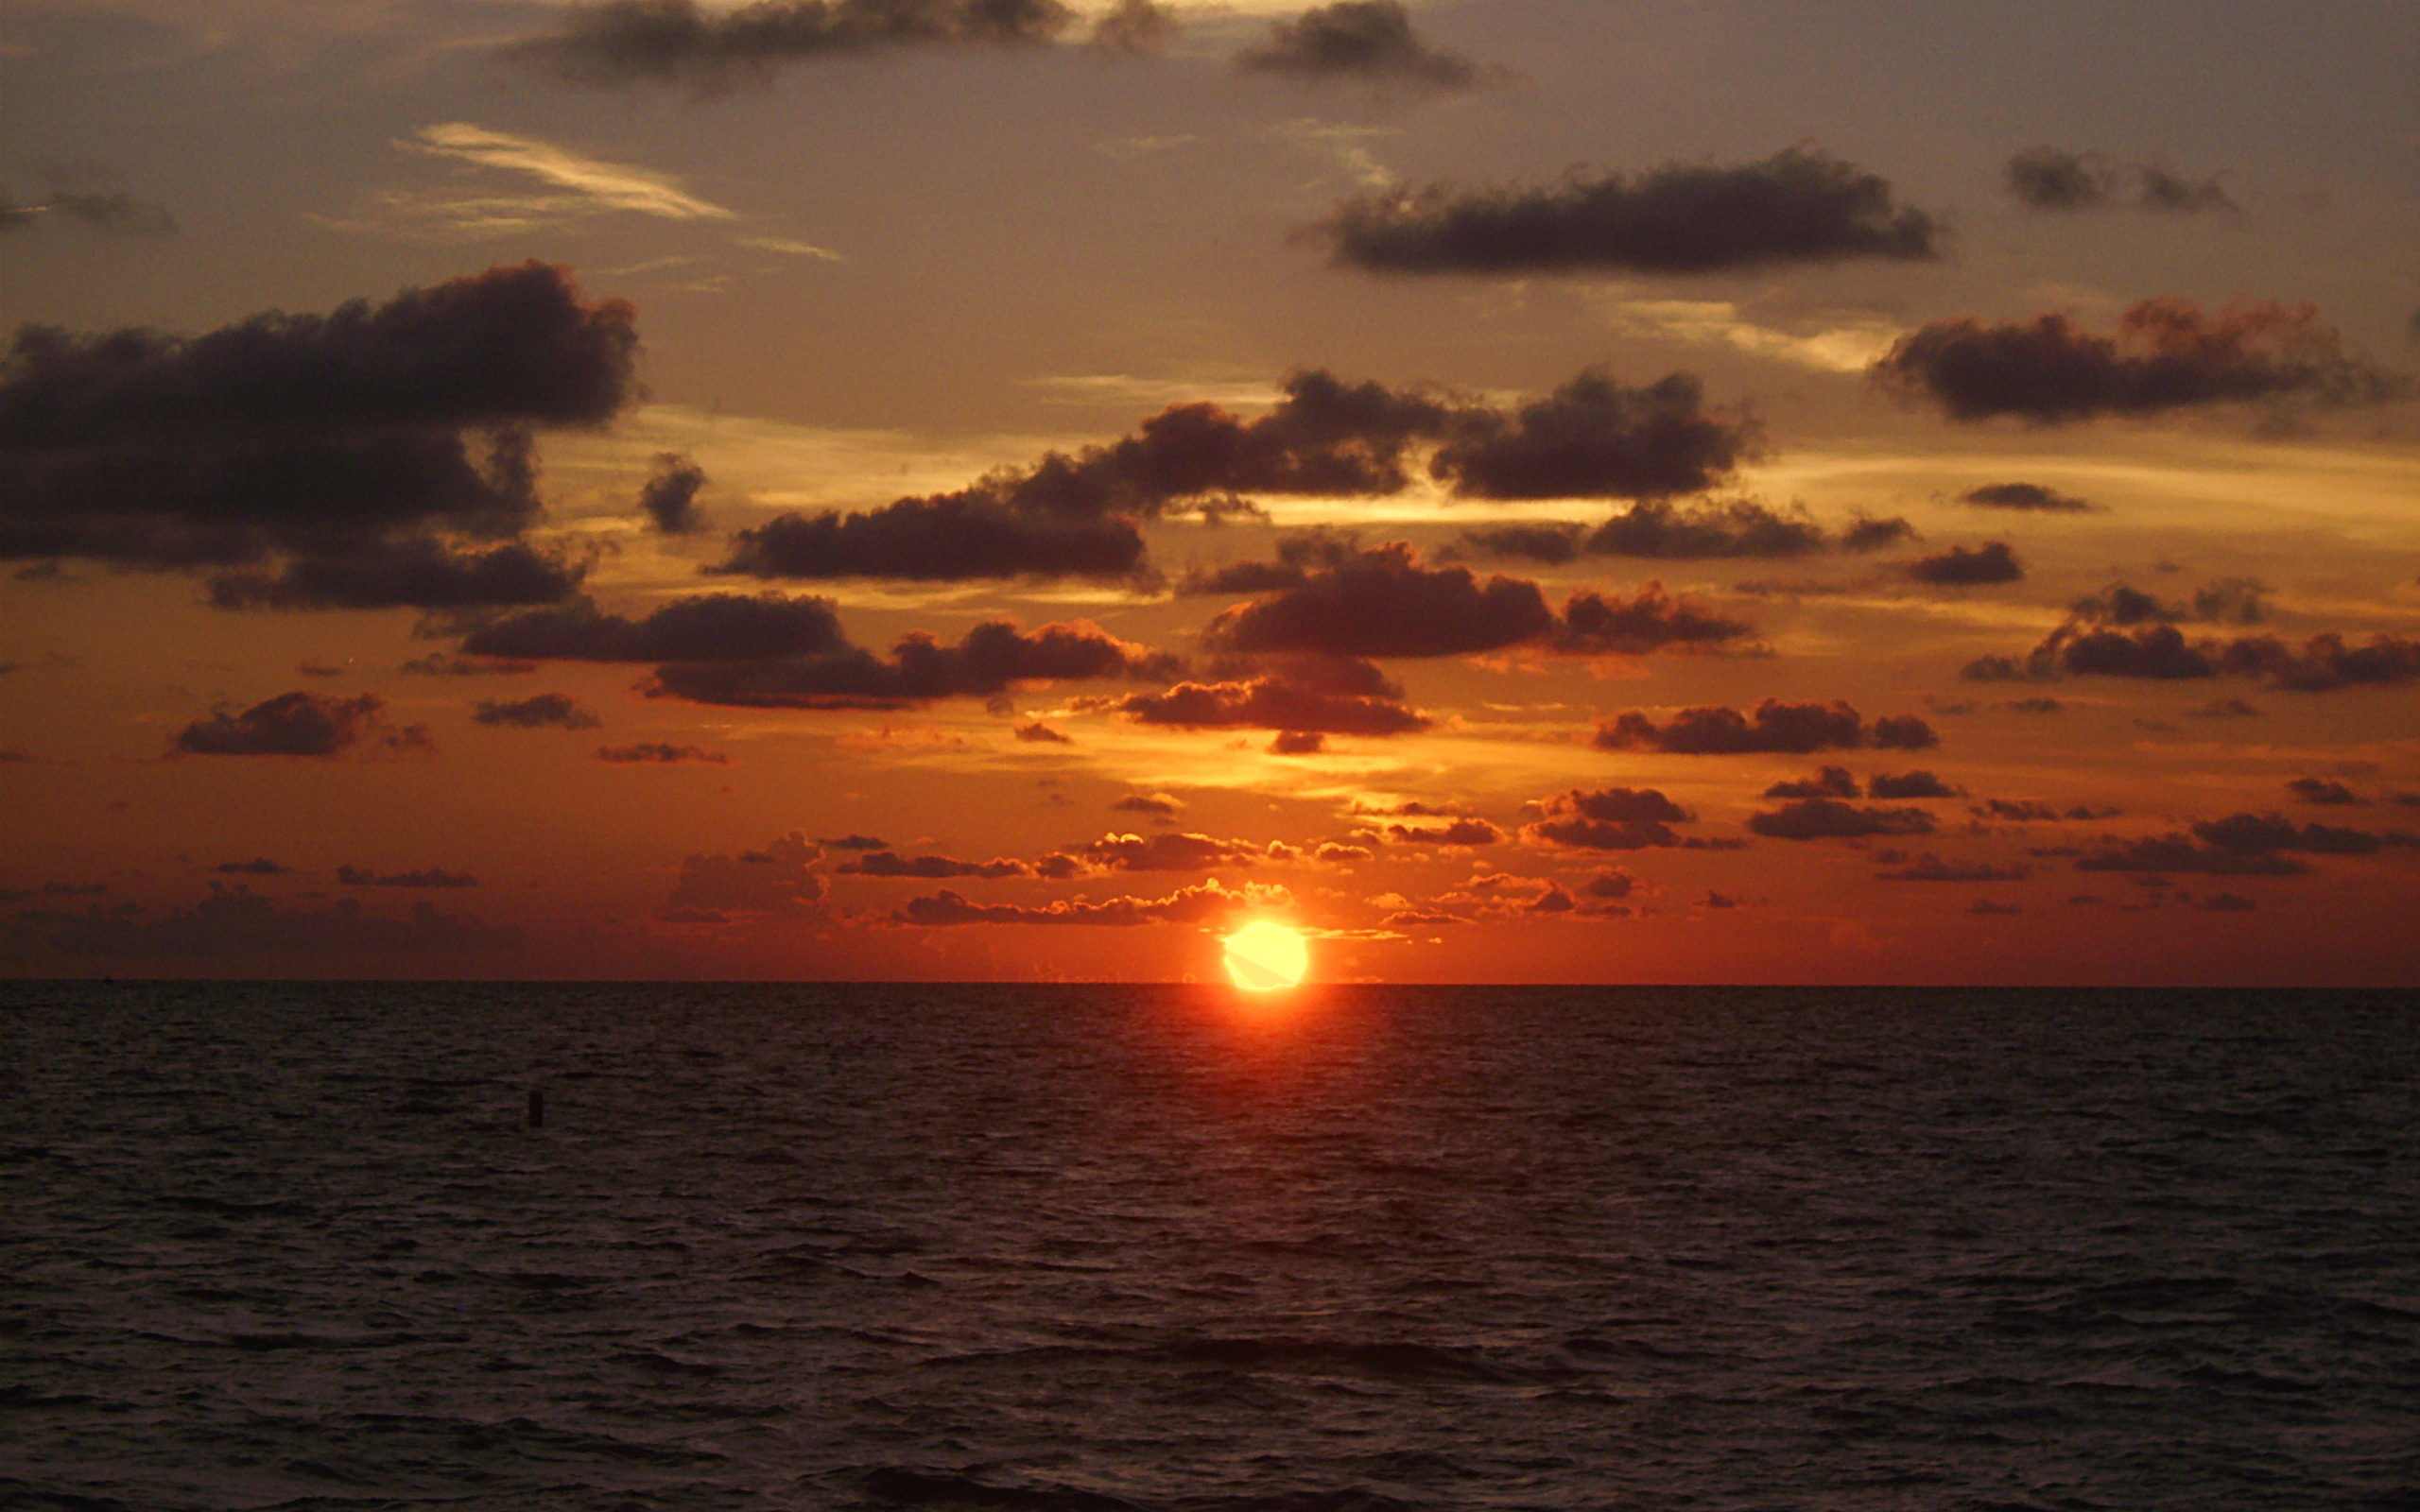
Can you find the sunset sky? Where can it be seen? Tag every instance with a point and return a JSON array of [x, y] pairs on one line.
[[1514, 490]]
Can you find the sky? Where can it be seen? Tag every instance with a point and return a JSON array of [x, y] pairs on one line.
[[1522, 491]]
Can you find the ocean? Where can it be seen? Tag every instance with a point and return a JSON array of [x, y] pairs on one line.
[[1095, 1248]]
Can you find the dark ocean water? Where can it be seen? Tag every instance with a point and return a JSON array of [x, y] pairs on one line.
[[1112, 1249]]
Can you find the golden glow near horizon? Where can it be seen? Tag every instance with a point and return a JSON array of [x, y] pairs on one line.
[[1264, 957]]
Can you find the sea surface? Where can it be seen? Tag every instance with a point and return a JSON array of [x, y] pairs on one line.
[[1102, 1248]]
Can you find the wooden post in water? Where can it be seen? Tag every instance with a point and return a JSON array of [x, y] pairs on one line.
[[537, 1109]]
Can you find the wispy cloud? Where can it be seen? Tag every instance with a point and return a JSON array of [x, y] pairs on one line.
[[791, 248], [1847, 346], [604, 186]]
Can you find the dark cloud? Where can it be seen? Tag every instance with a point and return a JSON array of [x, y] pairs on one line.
[[1736, 528], [1301, 694], [1038, 732], [236, 923], [2166, 354], [670, 496], [2266, 834], [90, 197], [1335, 853], [1138, 28], [2032, 496], [257, 867], [992, 657], [1383, 603], [425, 877], [370, 457], [1991, 563], [2160, 652], [2034, 706], [1299, 743], [1299, 553], [1795, 207], [2048, 178], [660, 753], [539, 711], [780, 879], [2233, 601], [440, 665], [681, 42], [1459, 833], [2322, 790], [1825, 818], [2229, 903], [1166, 851], [1829, 782], [975, 534], [1930, 868], [1658, 529], [931, 868], [855, 842], [1205, 902], [1367, 41], [2174, 852], [1159, 805], [1790, 728], [295, 723], [2027, 811], [704, 627], [2226, 709], [1596, 437], [1611, 885], [1612, 819], [1918, 783]]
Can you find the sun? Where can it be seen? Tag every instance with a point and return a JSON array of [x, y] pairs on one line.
[[1263, 957]]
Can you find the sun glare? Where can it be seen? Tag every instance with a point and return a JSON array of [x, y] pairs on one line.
[[1263, 957]]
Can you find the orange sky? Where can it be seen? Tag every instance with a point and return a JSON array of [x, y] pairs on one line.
[[1517, 493]]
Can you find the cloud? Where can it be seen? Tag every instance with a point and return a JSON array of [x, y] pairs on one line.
[[2031, 496], [854, 842], [1792, 728], [1657, 529], [886, 864], [2266, 834], [2046, 178], [1138, 28], [780, 879], [659, 753], [1458, 832], [1301, 695], [295, 723], [1364, 41], [1298, 742], [679, 41], [1159, 805], [89, 196], [1383, 602], [426, 877], [1081, 515], [257, 867], [2322, 790], [1612, 819], [2166, 356], [590, 183], [1593, 437], [992, 657], [236, 923], [2159, 652], [536, 712], [702, 627], [1829, 782], [1918, 783], [1930, 868], [2027, 811], [2174, 852], [669, 497], [1795, 207], [1206, 903], [441, 664], [1825, 818], [1991, 562], [382, 454], [1038, 732], [1166, 852]]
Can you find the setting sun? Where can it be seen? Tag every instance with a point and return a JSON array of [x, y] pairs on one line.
[[1263, 957]]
